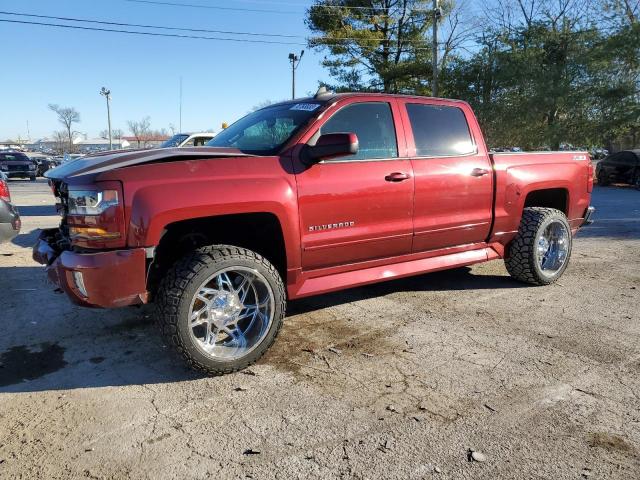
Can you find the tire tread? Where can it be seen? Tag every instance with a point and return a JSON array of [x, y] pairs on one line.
[[177, 280], [520, 261]]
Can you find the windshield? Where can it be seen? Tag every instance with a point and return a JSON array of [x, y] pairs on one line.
[[174, 141], [264, 131], [13, 157]]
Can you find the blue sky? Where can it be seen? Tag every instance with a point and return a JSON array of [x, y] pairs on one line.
[[221, 80]]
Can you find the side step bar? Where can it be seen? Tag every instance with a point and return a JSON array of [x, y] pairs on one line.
[[339, 281]]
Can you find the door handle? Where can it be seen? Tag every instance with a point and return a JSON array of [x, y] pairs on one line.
[[397, 177], [479, 172]]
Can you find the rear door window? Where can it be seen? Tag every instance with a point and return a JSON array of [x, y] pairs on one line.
[[373, 123], [439, 130]]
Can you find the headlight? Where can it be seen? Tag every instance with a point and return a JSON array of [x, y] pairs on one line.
[[4, 167], [32, 166], [86, 202]]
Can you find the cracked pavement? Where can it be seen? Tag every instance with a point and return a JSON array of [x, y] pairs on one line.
[[397, 380]]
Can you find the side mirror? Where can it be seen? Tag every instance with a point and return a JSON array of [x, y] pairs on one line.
[[331, 145]]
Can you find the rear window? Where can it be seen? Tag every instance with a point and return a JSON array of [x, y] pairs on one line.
[[628, 158], [439, 130]]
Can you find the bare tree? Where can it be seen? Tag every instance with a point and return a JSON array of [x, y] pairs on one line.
[[459, 30], [67, 116], [60, 141], [117, 134], [620, 12], [140, 129]]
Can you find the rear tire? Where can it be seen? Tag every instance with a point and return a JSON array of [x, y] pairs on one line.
[[193, 285], [540, 252]]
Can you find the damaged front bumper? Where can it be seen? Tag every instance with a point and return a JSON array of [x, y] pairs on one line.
[[104, 279]]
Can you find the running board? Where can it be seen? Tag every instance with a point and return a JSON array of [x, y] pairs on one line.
[[355, 278]]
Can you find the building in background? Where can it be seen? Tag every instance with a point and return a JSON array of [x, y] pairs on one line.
[[18, 144], [145, 141], [90, 145]]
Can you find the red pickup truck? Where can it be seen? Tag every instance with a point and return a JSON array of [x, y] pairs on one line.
[[302, 198]]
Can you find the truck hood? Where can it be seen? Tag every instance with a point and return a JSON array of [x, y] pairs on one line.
[[104, 162]]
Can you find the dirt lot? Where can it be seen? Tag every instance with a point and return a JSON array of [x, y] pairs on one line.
[[398, 380]]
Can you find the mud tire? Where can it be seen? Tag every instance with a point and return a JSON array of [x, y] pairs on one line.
[[178, 288], [521, 260]]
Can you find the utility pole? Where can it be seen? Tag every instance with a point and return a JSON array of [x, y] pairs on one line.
[[295, 62], [180, 124], [107, 94], [437, 13]]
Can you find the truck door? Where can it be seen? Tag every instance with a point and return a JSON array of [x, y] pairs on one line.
[[453, 175], [357, 208]]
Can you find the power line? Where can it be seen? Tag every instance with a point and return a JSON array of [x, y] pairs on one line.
[[153, 34], [212, 7], [259, 10], [323, 40], [159, 27]]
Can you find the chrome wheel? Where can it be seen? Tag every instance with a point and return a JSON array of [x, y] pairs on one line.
[[231, 313], [553, 247]]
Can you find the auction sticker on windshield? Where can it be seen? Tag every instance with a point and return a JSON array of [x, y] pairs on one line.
[[307, 107]]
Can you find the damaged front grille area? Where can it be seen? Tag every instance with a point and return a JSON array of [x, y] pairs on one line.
[[61, 241]]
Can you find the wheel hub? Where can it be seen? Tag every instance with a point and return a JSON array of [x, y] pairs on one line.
[[553, 247], [231, 313], [225, 306]]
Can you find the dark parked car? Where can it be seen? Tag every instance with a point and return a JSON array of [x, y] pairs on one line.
[[620, 167], [44, 164], [9, 218], [17, 165]]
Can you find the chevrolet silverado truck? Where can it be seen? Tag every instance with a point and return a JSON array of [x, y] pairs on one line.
[[303, 198]]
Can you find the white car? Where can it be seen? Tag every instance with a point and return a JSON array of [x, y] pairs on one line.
[[188, 140]]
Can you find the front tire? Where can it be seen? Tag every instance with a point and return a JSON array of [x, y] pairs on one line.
[[540, 252], [603, 178], [636, 179], [221, 307], [32, 179]]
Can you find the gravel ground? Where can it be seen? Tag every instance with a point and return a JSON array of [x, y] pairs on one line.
[[398, 380]]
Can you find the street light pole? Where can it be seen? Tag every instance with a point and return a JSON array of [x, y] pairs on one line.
[[436, 16], [107, 94], [295, 62]]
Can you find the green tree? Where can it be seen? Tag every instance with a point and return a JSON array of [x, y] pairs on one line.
[[549, 75], [375, 45]]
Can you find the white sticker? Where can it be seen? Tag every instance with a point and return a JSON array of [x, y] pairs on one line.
[[579, 157], [306, 107]]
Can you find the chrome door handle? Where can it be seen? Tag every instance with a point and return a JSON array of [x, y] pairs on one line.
[[397, 177], [479, 172]]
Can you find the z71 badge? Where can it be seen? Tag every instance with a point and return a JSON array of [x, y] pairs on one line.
[[331, 226]]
